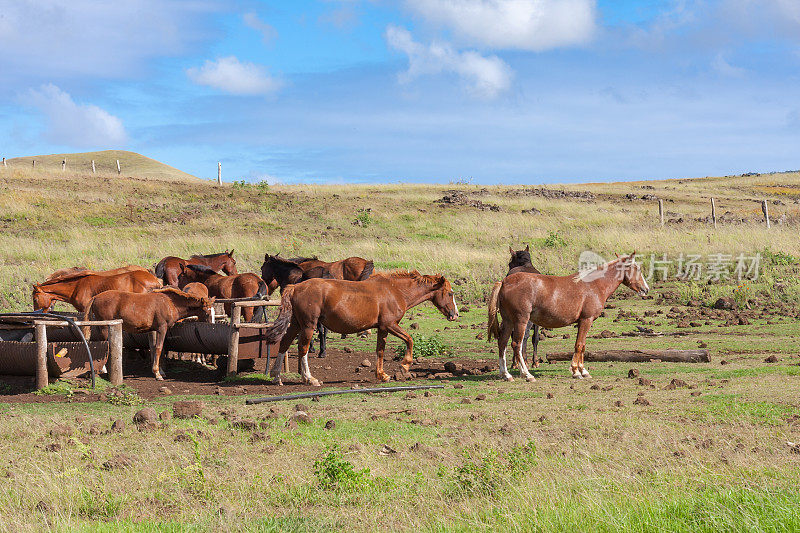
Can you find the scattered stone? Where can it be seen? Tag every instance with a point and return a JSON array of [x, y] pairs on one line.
[[53, 447], [606, 334], [427, 394], [330, 424], [725, 304], [442, 375], [695, 324], [683, 324], [165, 390], [245, 424], [347, 349], [258, 436], [300, 417], [118, 426], [633, 373], [480, 397], [187, 408], [695, 393], [607, 388], [302, 407], [165, 415], [453, 368], [771, 359], [410, 395], [62, 430], [315, 399], [366, 363], [118, 461], [550, 396], [644, 382], [618, 403], [145, 417], [414, 325], [387, 450], [466, 401], [458, 385], [641, 400], [723, 362], [595, 387], [678, 383]]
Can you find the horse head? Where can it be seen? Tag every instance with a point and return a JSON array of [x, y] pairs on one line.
[[444, 299], [42, 301], [520, 257], [632, 276], [228, 264], [276, 270]]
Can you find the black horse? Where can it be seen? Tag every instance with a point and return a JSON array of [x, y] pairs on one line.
[[521, 262], [283, 272]]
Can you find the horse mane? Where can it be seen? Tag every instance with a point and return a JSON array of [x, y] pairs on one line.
[[209, 256], [63, 273], [178, 292], [302, 259], [202, 269], [580, 276], [286, 262], [425, 279]]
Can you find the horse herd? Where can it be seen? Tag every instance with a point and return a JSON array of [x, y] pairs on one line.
[[346, 296]]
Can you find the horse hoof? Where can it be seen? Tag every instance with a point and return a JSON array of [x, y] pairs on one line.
[[321, 356], [384, 378], [530, 379], [314, 382], [509, 378], [576, 376], [586, 375], [159, 378]]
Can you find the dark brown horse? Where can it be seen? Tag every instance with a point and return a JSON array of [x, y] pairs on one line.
[[555, 302], [78, 288], [154, 311], [247, 285], [279, 272], [170, 268], [521, 262], [349, 307], [351, 269]]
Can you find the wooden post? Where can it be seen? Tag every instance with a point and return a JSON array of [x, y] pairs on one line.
[[4, 163], [119, 170], [34, 163], [661, 211], [765, 210], [115, 353], [233, 341], [714, 213], [64, 164], [93, 169], [219, 172], [41, 356]]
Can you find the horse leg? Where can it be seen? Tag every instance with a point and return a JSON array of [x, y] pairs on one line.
[[286, 342], [517, 344], [379, 349], [323, 339], [578, 371], [535, 362], [159, 345], [400, 333], [302, 352], [502, 343]]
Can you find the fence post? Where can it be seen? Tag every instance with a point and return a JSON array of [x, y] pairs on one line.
[[219, 172], [34, 163], [233, 341], [41, 356], [64, 164], [4, 163], [93, 169], [119, 170], [714, 213], [765, 210], [661, 211], [115, 354]]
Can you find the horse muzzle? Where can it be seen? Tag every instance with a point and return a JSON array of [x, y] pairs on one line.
[[452, 316]]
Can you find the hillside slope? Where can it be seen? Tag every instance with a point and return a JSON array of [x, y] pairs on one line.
[[131, 163]]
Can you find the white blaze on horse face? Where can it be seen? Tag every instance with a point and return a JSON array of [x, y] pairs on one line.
[[213, 314], [455, 305]]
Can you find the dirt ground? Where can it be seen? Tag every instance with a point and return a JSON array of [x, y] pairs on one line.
[[339, 369]]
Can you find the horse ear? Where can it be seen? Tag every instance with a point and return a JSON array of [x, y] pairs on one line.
[[511, 250], [615, 253], [527, 247], [230, 254]]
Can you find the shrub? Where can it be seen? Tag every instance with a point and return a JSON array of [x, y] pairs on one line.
[[778, 258], [363, 218], [336, 473], [425, 347], [554, 240]]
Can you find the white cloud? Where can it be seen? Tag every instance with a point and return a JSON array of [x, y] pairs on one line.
[[268, 32], [230, 75], [73, 124], [486, 77], [54, 38], [721, 65], [512, 24]]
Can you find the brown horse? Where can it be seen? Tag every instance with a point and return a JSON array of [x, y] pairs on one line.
[[170, 268], [351, 269], [154, 311], [66, 272], [78, 288], [245, 285], [349, 307], [555, 302], [521, 262]]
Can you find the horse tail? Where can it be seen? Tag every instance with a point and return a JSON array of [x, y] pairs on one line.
[[369, 266], [493, 324], [263, 292], [160, 271], [274, 332]]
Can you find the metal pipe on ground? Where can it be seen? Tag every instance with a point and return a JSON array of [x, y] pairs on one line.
[[304, 395]]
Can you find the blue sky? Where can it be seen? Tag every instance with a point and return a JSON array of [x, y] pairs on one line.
[[496, 91]]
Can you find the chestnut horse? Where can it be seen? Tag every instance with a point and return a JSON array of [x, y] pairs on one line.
[[555, 302], [65, 272], [349, 307], [521, 262], [170, 268], [351, 269], [246, 285], [279, 272], [78, 288], [154, 311]]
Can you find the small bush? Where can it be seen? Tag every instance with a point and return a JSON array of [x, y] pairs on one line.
[[336, 473], [425, 347], [363, 218], [554, 240], [124, 396], [778, 258]]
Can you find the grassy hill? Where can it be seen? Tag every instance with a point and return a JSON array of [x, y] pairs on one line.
[[50, 220], [131, 164]]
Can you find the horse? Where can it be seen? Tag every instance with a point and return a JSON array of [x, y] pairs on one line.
[[555, 302], [352, 268], [66, 272], [154, 311], [78, 288], [279, 272], [349, 307], [170, 268], [245, 285], [521, 262]]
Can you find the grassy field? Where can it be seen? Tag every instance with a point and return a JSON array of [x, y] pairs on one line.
[[606, 454]]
